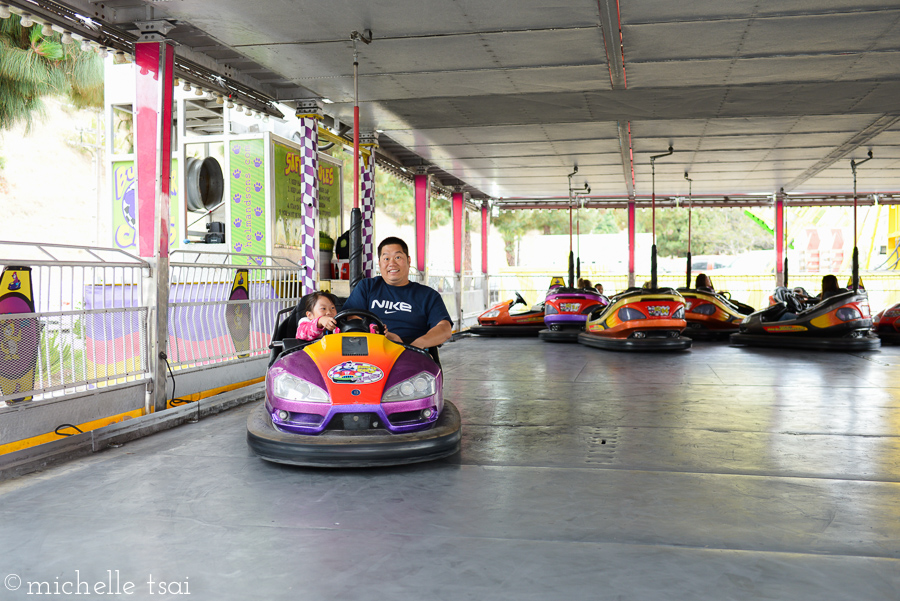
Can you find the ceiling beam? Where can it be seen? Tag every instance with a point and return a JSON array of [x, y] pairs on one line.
[[612, 39], [859, 139], [625, 151]]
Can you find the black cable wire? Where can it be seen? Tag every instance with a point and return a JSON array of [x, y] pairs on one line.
[[59, 427], [174, 402]]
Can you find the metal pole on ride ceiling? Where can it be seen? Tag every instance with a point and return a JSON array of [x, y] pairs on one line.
[[356, 250], [571, 254], [578, 205], [853, 166], [784, 245], [653, 213], [578, 238], [690, 206]]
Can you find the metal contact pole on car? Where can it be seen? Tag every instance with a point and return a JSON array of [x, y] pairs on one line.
[[853, 166], [356, 250]]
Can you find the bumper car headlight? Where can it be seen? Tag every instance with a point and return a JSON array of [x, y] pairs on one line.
[[848, 314], [292, 388], [629, 314], [550, 310], [416, 387], [492, 313], [679, 313]]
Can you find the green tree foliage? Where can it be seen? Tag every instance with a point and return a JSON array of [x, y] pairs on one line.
[[714, 231], [396, 197], [513, 225], [33, 66]]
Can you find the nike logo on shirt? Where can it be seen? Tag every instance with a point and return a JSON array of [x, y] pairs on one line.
[[391, 307]]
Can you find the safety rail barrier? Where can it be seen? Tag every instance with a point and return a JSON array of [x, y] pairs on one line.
[[72, 318], [221, 309], [463, 295], [883, 288]]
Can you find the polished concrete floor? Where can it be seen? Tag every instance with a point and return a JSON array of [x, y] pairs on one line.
[[718, 473]]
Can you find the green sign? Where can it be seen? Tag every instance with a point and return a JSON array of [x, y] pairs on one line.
[[329, 188], [248, 200], [288, 198]]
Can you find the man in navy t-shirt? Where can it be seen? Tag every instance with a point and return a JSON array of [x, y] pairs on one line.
[[413, 313]]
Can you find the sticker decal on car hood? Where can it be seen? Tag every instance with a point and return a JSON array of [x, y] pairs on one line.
[[351, 372]]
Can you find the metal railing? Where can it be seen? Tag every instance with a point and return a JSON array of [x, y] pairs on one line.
[[463, 295], [88, 326], [215, 315]]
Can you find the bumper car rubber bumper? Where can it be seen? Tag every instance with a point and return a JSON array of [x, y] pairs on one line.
[[679, 343], [340, 448], [702, 333], [889, 337], [563, 335], [869, 342], [529, 330]]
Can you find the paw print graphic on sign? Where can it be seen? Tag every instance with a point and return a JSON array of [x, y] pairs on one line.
[[237, 247], [237, 222], [257, 186], [259, 236], [257, 162], [236, 173], [237, 198], [236, 149], [258, 211]]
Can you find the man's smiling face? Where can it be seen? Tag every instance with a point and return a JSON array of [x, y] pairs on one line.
[[394, 265]]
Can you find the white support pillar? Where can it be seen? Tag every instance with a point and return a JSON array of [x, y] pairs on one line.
[[367, 141], [309, 112]]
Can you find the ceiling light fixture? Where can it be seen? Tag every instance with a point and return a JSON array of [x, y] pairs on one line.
[[85, 46], [199, 91], [47, 30], [26, 20], [187, 86], [229, 104], [220, 99], [4, 12], [67, 37], [327, 101]]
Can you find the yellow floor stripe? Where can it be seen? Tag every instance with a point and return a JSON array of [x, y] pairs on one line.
[[114, 419]]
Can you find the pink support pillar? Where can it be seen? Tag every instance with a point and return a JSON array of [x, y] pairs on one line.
[[459, 213], [485, 226], [154, 80], [631, 229], [423, 205], [153, 137], [779, 240]]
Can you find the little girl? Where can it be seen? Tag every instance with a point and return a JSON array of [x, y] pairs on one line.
[[320, 311]]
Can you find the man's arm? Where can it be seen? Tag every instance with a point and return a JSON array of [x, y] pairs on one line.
[[439, 334]]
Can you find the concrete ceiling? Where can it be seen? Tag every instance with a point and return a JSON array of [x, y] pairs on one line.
[[507, 95]]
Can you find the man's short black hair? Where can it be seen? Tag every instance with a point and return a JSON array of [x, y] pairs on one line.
[[393, 240]]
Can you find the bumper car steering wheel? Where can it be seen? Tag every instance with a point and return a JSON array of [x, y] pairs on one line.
[[347, 324], [519, 301], [794, 304]]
